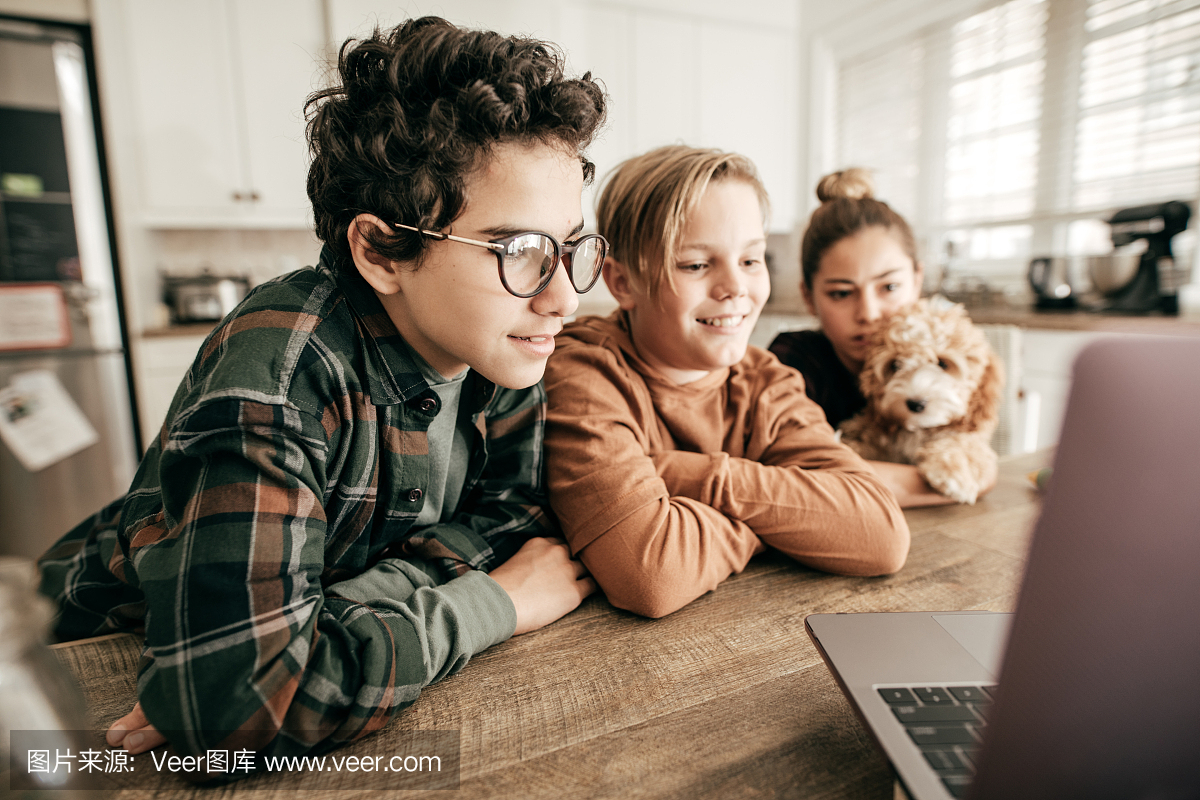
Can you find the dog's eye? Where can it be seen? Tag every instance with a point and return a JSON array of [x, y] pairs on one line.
[[894, 367], [943, 364]]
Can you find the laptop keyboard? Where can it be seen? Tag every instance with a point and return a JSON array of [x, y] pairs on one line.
[[946, 723]]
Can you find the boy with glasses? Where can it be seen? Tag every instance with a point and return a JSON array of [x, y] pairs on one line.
[[345, 502]]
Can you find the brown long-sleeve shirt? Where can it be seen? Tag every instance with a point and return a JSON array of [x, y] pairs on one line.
[[665, 490]]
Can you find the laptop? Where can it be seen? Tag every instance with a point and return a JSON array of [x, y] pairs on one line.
[[1091, 688]]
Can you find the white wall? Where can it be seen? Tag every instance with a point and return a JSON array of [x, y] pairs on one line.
[[702, 72], [62, 10], [834, 31]]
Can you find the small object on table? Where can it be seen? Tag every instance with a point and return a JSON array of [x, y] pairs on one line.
[[1040, 477]]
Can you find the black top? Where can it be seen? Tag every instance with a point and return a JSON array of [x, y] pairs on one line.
[[826, 379]]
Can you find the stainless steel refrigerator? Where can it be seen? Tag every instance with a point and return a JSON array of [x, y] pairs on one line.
[[59, 295]]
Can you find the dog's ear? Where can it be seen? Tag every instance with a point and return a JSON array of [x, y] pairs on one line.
[[872, 378], [868, 380], [872, 381], [984, 409]]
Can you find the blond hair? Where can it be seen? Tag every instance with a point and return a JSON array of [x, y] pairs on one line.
[[848, 205], [645, 202]]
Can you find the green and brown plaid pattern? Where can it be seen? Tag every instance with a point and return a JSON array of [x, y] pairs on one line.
[[286, 480]]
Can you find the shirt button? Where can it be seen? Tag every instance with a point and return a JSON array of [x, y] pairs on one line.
[[428, 405], [414, 495]]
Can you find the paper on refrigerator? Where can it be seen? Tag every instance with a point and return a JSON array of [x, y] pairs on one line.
[[40, 422]]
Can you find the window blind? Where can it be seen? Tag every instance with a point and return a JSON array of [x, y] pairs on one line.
[[996, 66], [1124, 89], [879, 120], [1138, 138]]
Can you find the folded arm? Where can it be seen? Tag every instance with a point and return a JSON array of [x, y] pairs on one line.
[[836, 518], [658, 528], [905, 481], [796, 486], [243, 642], [650, 552]]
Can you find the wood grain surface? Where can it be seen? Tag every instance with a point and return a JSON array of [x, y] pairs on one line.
[[726, 698]]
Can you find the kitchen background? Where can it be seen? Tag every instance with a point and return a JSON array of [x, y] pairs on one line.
[[1002, 130]]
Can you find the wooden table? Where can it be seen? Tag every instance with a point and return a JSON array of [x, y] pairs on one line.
[[726, 698]]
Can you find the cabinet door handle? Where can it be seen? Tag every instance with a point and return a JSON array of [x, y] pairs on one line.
[[237, 196], [254, 196]]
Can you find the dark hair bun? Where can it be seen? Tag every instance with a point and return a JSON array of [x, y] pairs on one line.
[[853, 184]]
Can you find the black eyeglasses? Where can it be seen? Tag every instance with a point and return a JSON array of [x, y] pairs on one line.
[[527, 260]]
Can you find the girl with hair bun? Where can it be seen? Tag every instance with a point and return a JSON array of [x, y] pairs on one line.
[[858, 264]]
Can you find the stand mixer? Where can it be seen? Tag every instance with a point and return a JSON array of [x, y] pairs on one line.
[[1153, 285]]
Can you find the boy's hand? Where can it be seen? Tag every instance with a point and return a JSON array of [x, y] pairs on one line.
[[134, 732], [544, 582]]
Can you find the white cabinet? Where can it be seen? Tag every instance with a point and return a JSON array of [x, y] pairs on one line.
[[161, 363], [215, 103], [749, 85], [677, 73], [1047, 357]]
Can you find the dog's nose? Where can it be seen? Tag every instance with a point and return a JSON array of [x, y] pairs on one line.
[[915, 406]]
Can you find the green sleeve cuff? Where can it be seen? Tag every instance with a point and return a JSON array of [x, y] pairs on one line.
[[485, 611], [460, 618]]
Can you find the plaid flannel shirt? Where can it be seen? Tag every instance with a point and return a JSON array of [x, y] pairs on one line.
[[266, 546]]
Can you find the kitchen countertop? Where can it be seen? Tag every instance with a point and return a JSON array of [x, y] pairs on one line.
[[999, 313], [1024, 316], [1027, 317], [190, 329], [725, 697]]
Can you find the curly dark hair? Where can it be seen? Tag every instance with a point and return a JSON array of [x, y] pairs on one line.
[[418, 109]]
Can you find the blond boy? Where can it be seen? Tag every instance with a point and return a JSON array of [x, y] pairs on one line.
[[675, 451]]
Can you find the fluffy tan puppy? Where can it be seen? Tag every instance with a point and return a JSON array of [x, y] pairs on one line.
[[932, 386]]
